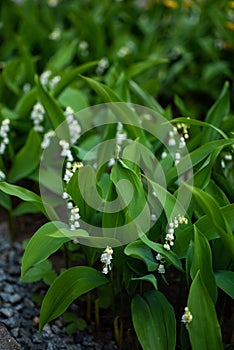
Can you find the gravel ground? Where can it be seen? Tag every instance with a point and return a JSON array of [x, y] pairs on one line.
[[20, 314]]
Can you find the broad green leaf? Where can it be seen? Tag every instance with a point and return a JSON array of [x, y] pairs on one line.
[[63, 56], [184, 110], [204, 329], [170, 256], [215, 192], [55, 114], [142, 252], [116, 219], [106, 93], [206, 226], [129, 187], [41, 245], [225, 281], [195, 157], [140, 67], [71, 284], [148, 278], [13, 75], [42, 271], [25, 103], [68, 77], [25, 195], [83, 189], [154, 321], [220, 261], [212, 209], [5, 201], [122, 111], [217, 112], [171, 205], [27, 159], [25, 208], [202, 260], [73, 98], [196, 122], [147, 99]]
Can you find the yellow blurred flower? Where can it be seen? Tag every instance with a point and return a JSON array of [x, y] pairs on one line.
[[231, 4], [229, 25], [171, 3], [188, 3]]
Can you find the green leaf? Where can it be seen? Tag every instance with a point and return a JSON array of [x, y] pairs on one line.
[[63, 56], [196, 122], [27, 159], [142, 252], [147, 100], [107, 94], [71, 284], [148, 278], [74, 98], [25, 195], [83, 189], [43, 271], [140, 67], [68, 77], [206, 226], [5, 201], [171, 205], [225, 281], [202, 260], [204, 330], [217, 112], [212, 209], [195, 157], [25, 208], [159, 332], [41, 245], [129, 188]]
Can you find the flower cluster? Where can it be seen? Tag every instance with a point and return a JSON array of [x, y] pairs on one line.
[[71, 166], [169, 239], [74, 216], [47, 138], [103, 64], [4, 130], [26, 88], [55, 34], [66, 152], [37, 117], [172, 141], [2, 176], [183, 129], [106, 258], [161, 267], [48, 81], [121, 134], [227, 158], [187, 316], [83, 48], [73, 125], [126, 49], [53, 3]]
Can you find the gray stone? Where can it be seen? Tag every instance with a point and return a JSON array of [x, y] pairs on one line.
[[6, 340], [7, 312]]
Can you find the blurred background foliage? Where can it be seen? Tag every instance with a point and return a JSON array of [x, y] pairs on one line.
[[195, 37]]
